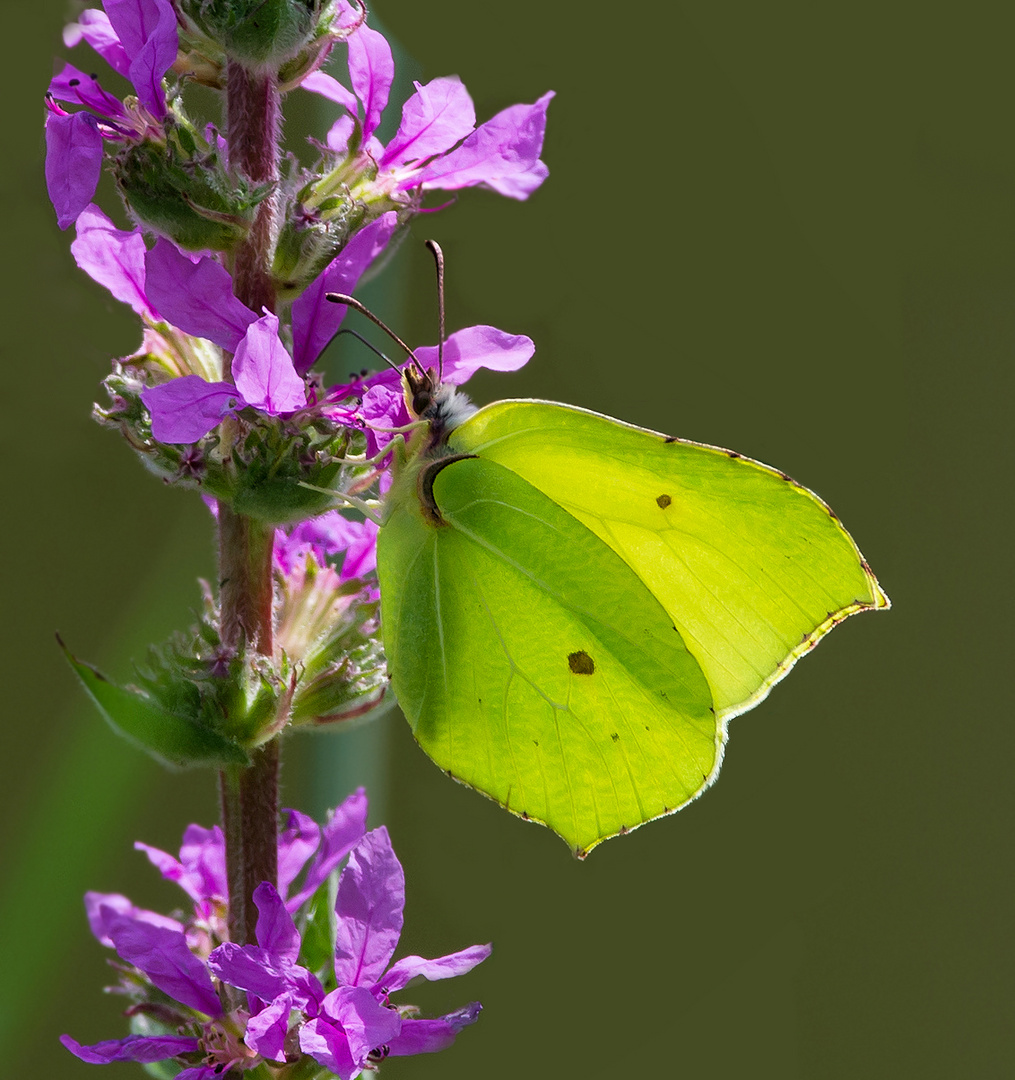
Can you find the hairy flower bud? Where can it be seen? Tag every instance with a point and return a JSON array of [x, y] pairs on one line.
[[182, 189], [260, 34]]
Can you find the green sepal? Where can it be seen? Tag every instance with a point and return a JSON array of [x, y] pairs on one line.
[[258, 33], [182, 189], [270, 467], [168, 737]]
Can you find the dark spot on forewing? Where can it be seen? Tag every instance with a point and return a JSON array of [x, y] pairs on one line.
[[662, 501], [615, 737], [581, 663]]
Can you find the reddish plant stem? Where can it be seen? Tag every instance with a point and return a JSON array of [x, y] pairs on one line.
[[254, 116], [249, 796]]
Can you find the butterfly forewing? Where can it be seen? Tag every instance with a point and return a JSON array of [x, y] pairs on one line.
[[752, 568]]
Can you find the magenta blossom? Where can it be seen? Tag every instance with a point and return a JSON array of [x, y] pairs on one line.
[[200, 869], [195, 296], [352, 1025], [184, 979], [329, 537], [437, 145], [378, 401], [139, 40]]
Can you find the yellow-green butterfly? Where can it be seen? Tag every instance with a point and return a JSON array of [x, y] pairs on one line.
[[573, 608]]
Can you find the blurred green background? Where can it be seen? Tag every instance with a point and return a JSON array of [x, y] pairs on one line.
[[787, 228]]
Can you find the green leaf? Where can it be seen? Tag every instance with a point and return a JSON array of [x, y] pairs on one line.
[[170, 738]]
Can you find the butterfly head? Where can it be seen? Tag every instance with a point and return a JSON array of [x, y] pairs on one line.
[[442, 406]]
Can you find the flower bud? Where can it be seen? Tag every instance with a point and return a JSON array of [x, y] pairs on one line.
[[182, 189], [260, 34], [308, 241]]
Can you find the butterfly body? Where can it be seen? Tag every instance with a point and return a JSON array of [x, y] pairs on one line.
[[573, 607]]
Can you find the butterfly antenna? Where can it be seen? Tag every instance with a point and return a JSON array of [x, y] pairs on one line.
[[435, 250], [369, 344], [351, 301]]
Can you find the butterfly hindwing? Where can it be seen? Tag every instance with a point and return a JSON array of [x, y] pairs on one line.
[[533, 664]]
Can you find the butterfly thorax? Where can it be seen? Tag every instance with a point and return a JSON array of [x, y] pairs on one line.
[[442, 408]]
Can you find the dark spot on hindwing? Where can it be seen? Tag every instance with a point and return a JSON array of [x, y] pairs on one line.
[[615, 737], [662, 501], [581, 663]]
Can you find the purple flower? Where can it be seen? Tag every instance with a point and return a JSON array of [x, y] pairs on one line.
[[200, 869], [327, 537], [139, 39], [353, 1025], [187, 993], [203, 1031], [437, 145], [379, 401], [196, 296]]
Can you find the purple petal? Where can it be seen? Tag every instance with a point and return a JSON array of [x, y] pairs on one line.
[[361, 551], [143, 1048], [365, 1021], [164, 956], [197, 297], [267, 1030], [199, 1072], [328, 1046], [340, 133], [437, 116], [371, 70], [502, 154], [346, 828], [113, 258], [73, 164], [264, 371], [203, 854], [102, 908], [265, 975], [475, 347], [276, 932], [167, 865], [297, 841], [147, 31], [79, 88], [321, 83], [94, 27], [383, 408], [249, 968], [315, 320], [428, 1036], [186, 409], [325, 536], [371, 896], [444, 967]]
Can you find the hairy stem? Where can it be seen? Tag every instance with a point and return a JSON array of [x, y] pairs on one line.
[[254, 115], [249, 796]]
